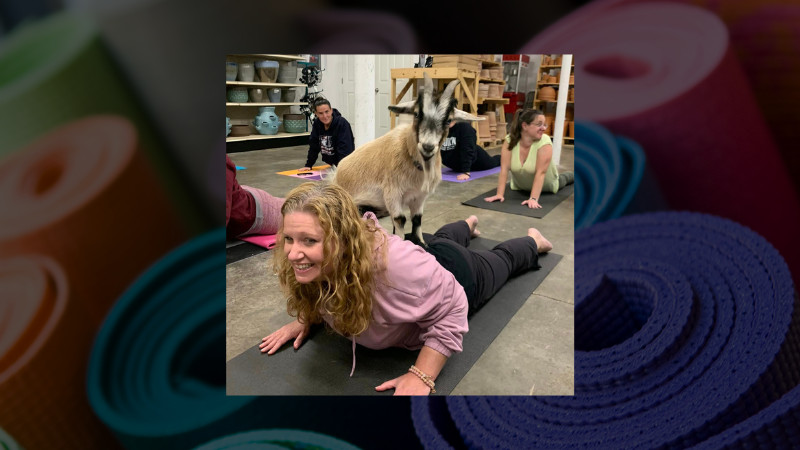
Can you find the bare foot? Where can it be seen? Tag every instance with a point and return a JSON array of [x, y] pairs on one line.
[[542, 244], [472, 221]]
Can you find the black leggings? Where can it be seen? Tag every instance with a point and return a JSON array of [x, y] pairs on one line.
[[484, 161], [488, 269]]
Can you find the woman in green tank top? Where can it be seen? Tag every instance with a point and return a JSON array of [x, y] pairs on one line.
[[528, 154]]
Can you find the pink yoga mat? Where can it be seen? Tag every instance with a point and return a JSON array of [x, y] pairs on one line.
[[265, 240], [665, 75], [449, 175]]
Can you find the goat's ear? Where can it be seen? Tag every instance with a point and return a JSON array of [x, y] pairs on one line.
[[461, 116], [403, 108]]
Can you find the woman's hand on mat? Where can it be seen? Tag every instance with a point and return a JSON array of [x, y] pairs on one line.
[[532, 203], [274, 341], [462, 176], [494, 198], [407, 384]]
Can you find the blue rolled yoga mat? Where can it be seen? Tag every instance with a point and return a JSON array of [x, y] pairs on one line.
[[611, 177], [686, 333], [156, 373]]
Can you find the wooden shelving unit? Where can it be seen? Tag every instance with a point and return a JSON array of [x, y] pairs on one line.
[[256, 137], [466, 92], [243, 113], [545, 105]]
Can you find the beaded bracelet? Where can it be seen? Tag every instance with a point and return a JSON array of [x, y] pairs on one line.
[[422, 376]]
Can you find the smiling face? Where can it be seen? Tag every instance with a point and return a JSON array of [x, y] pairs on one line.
[[304, 245], [536, 128], [324, 114]]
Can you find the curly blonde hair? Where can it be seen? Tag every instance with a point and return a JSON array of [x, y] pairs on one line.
[[346, 291]]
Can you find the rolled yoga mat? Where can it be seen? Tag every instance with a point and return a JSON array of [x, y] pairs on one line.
[[764, 35], [612, 177], [56, 70], [277, 440], [685, 325], [156, 372], [321, 366], [7, 442], [44, 346], [513, 201], [665, 76], [85, 195]]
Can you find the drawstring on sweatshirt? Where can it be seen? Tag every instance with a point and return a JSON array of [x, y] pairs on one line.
[[354, 355]]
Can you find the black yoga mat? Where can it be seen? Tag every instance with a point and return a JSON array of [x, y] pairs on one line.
[[240, 250], [513, 201], [322, 364]]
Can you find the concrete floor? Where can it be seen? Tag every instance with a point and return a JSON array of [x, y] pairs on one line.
[[534, 352]]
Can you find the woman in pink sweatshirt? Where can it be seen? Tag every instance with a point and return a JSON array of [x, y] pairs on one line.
[[380, 290]]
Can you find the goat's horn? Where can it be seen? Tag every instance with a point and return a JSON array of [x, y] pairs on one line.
[[428, 83], [451, 87]]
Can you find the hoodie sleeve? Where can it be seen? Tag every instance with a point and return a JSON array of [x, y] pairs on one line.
[[345, 143], [445, 319], [466, 141], [313, 144]]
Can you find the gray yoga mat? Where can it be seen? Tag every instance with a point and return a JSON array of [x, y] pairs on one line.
[[322, 364], [513, 201]]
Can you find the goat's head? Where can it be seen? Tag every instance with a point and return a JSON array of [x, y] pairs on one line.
[[432, 116]]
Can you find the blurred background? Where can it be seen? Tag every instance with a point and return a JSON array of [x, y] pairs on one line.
[[111, 195]]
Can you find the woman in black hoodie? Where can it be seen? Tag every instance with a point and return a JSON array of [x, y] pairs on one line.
[[330, 134]]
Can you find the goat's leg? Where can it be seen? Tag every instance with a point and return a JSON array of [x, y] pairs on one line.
[[394, 205], [415, 204]]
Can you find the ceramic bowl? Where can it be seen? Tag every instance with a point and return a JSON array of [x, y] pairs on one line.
[[547, 93], [237, 95], [294, 123], [240, 130]]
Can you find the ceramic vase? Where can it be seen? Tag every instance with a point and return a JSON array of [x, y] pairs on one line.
[[246, 72], [231, 70], [266, 122], [256, 95]]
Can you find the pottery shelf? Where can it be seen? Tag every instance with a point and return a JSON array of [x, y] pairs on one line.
[[274, 57], [498, 100], [548, 106], [259, 83], [255, 137], [266, 104]]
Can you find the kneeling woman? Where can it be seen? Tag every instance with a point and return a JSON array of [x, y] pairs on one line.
[[381, 291]]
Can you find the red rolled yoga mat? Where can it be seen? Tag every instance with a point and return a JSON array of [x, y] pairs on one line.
[[84, 195], [44, 348], [665, 75]]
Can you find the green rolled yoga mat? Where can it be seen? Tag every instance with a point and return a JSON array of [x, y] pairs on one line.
[[7, 442], [277, 439], [56, 70]]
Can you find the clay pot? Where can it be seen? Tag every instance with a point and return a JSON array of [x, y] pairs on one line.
[[572, 79], [256, 95], [547, 93], [572, 129], [240, 130]]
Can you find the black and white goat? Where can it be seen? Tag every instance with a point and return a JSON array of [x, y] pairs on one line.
[[401, 168]]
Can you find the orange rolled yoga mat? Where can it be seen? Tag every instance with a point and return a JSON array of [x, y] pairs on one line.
[[84, 195], [44, 349]]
